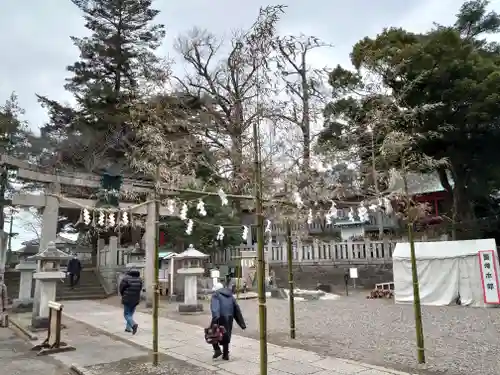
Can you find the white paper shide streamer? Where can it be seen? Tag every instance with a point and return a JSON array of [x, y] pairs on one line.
[[201, 208], [363, 213], [102, 219], [244, 235], [124, 219], [111, 219], [223, 197], [86, 217], [220, 234], [298, 200], [268, 226], [350, 215], [310, 217], [189, 227], [170, 206], [331, 214], [184, 212]]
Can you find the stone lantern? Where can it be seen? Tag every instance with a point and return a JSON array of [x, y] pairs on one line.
[[48, 273], [191, 267], [25, 300]]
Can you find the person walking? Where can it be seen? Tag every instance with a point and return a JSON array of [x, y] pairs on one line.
[[130, 290], [225, 310], [74, 268]]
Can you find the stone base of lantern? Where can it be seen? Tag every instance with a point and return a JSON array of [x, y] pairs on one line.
[[19, 305], [185, 308]]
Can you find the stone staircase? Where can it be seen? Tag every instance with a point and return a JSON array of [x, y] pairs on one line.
[[89, 287]]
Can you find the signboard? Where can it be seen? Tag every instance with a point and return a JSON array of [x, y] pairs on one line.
[[489, 276], [353, 273]]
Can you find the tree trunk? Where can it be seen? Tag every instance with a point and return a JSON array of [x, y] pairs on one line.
[[463, 217]]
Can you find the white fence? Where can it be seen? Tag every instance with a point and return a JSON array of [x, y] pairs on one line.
[[370, 252]]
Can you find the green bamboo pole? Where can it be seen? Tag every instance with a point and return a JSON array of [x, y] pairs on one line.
[[260, 252], [416, 298], [414, 273], [156, 300], [290, 278]]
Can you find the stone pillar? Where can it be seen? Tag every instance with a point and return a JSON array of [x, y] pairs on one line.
[[48, 234], [171, 276], [315, 250], [299, 251], [249, 236], [284, 250], [47, 293], [190, 290], [25, 299], [113, 250], [150, 253], [100, 246], [4, 241]]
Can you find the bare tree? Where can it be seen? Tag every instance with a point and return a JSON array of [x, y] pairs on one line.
[[232, 88], [303, 85]]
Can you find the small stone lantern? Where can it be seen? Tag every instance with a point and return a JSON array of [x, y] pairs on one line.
[[25, 299], [191, 267], [48, 273]]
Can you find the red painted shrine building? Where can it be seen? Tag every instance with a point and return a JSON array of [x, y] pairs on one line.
[[426, 188]]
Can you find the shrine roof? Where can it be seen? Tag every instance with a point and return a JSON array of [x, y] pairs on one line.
[[191, 252], [418, 183]]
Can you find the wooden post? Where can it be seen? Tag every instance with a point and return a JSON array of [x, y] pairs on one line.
[[53, 344]]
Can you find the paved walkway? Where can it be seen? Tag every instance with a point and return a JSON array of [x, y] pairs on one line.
[[185, 342], [16, 357]]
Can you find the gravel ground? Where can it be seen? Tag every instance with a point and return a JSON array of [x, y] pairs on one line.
[[458, 340]]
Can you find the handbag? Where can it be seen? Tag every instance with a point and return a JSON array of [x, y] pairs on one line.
[[214, 334]]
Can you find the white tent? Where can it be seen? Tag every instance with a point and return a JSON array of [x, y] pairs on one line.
[[446, 270]]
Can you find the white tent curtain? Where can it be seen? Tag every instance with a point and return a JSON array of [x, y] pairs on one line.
[[447, 271]]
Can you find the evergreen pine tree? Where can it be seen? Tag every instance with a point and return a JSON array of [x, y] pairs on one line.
[[115, 60]]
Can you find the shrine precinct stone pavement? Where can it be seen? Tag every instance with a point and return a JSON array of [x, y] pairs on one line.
[[185, 342]]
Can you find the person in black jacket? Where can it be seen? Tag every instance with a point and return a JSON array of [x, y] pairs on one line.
[[130, 290], [225, 309], [74, 268]]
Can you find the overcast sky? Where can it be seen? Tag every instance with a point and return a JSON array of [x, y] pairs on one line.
[[36, 45], [37, 48]]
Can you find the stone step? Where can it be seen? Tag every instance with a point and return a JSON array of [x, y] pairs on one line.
[[76, 292], [76, 297], [89, 286]]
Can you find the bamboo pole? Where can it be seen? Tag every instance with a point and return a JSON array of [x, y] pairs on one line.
[[290, 278], [416, 298], [260, 252], [156, 299], [414, 273]]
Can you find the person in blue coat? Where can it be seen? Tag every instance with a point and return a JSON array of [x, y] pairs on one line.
[[225, 310]]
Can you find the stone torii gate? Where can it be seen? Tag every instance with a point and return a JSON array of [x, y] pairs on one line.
[[51, 201]]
